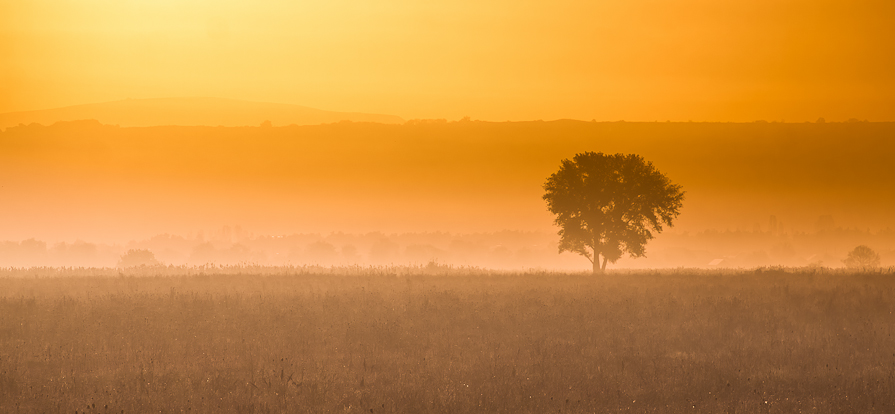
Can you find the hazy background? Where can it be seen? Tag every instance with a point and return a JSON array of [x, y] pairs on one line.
[[641, 60], [208, 114], [465, 192]]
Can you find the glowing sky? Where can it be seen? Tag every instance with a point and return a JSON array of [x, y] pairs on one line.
[[705, 60]]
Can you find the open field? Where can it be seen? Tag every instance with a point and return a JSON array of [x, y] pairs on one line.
[[433, 340]]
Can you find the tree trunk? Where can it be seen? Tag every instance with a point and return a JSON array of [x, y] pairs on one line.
[[603, 270], [597, 269]]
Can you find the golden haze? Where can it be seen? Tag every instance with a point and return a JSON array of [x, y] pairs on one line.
[[153, 64]]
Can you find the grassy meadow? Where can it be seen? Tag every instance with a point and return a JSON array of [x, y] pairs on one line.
[[437, 340]]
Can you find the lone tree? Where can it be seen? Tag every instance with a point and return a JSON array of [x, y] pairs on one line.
[[608, 205], [862, 257]]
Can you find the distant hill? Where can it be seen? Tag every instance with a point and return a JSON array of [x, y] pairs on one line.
[[190, 111], [467, 176]]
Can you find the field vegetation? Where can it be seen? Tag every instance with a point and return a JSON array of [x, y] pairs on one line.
[[435, 339]]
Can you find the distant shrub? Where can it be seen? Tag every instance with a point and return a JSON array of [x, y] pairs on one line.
[[862, 257], [138, 257]]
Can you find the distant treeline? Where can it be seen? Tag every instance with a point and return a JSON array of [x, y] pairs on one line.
[[508, 250]]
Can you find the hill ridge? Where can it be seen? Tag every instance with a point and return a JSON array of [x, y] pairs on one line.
[[190, 111]]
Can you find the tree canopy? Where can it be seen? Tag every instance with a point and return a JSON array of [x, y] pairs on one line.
[[608, 205]]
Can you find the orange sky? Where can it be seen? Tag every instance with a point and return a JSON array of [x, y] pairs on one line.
[[700, 60]]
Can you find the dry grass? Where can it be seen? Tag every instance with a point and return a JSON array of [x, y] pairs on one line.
[[677, 341]]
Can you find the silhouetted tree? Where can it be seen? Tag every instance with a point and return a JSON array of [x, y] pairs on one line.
[[608, 205], [862, 257], [138, 257]]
